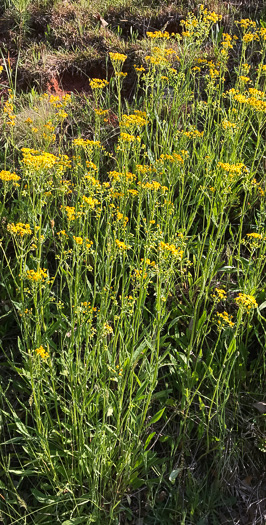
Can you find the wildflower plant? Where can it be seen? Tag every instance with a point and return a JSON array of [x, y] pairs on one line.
[[134, 266], [117, 60]]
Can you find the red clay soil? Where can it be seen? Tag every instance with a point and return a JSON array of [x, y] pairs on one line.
[[75, 82], [68, 84]]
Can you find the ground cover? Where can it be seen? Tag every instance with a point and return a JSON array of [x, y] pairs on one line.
[[133, 265]]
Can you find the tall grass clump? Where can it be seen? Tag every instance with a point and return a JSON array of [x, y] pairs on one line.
[[133, 282]]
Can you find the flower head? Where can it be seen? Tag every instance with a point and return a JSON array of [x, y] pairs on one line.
[[246, 302], [42, 352], [118, 57], [98, 83], [20, 229]]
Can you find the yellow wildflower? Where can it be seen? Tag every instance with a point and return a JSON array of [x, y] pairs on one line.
[[78, 240], [97, 83], [158, 34], [245, 301], [101, 112], [38, 276], [20, 229], [117, 57], [224, 320], [176, 252], [228, 125], [42, 352], [121, 245], [139, 69], [126, 137], [90, 201], [219, 294], [6, 176]]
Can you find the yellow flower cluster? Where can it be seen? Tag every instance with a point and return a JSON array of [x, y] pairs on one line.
[[78, 240], [84, 143], [194, 133], [117, 175], [38, 276], [36, 160], [262, 34], [71, 212], [144, 168], [92, 202], [87, 305], [246, 23], [228, 125], [227, 43], [130, 121], [91, 165], [257, 93], [122, 246], [98, 83], [49, 126], [254, 240], [101, 112], [9, 110], [153, 185], [171, 248], [61, 114], [6, 176], [117, 57], [219, 294], [224, 320], [108, 329], [120, 74], [139, 69], [247, 302], [88, 243], [210, 16], [254, 101], [126, 137], [42, 352], [63, 233], [93, 181], [161, 57], [244, 79], [249, 37], [158, 34], [255, 235], [199, 27], [175, 157], [20, 229], [121, 217], [233, 169], [56, 101]]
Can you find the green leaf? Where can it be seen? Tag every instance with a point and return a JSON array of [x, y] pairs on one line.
[[139, 394], [156, 417], [174, 474], [20, 426], [74, 521], [43, 498], [149, 438], [232, 347], [262, 306], [23, 473], [110, 411], [201, 320]]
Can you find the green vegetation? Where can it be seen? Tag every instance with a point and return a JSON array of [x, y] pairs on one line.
[[133, 254]]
